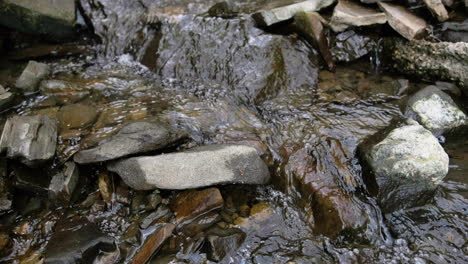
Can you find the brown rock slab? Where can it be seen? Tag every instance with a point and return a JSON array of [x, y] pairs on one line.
[[152, 243], [347, 14], [190, 204], [437, 9], [403, 21]]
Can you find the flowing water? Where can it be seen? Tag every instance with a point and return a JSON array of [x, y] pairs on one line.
[[223, 81]]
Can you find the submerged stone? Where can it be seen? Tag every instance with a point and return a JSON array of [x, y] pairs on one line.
[[443, 61], [435, 110], [32, 75], [76, 242], [77, 116], [405, 167], [347, 14], [194, 168], [136, 137], [46, 17], [30, 139], [404, 22], [280, 14]]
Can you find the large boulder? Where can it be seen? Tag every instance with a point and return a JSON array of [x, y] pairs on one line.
[[429, 61], [137, 137], [31, 139], [405, 166], [435, 110], [54, 18], [197, 167]]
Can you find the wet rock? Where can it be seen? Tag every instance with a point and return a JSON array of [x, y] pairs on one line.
[[62, 92], [152, 243], [30, 139], [160, 215], [32, 75], [437, 9], [351, 45], [406, 166], [77, 116], [348, 14], [77, 241], [6, 98], [134, 138], [429, 61], [43, 51], [251, 71], [318, 174], [455, 32], [105, 187], [47, 17], [224, 243], [190, 204], [197, 167], [200, 224], [450, 88], [404, 22], [435, 110], [308, 24], [280, 14], [5, 194], [224, 9], [63, 184]]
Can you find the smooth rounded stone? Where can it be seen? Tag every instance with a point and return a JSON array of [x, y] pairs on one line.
[[63, 183], [77, 116], [136, 137], [30, 139], [194, 168], [406, 166], [279, 14], [435, 110], [32, 75], [46, 17], [77, 241], [442, 61], [403, 21], [348, 14]]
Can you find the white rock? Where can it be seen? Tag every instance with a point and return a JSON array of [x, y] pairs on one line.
[[198, 167], [435, 110], [348, 14], [404, 22], [32, 75], [276, 15]]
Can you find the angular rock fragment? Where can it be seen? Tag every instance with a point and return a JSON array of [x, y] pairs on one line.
[[152, 243], [6, 98], [279, 14], [224, 243], [308, 24], [77, 242], [435, 110], [404, 22], [190, 204], [197, 167], [46, 17], [63, 183], [351, 45], [348, 14], [429, 61], [406, 166], [31, 139], [437, 8], [136, 137], [32, 75]]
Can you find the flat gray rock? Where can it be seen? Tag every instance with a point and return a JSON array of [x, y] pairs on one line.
[[348, 14], [408, 164], [30, 139], [197, 167], [435, 110], [403, 21], [55, 18], [32, 75], [279, 14], [137, 137]]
